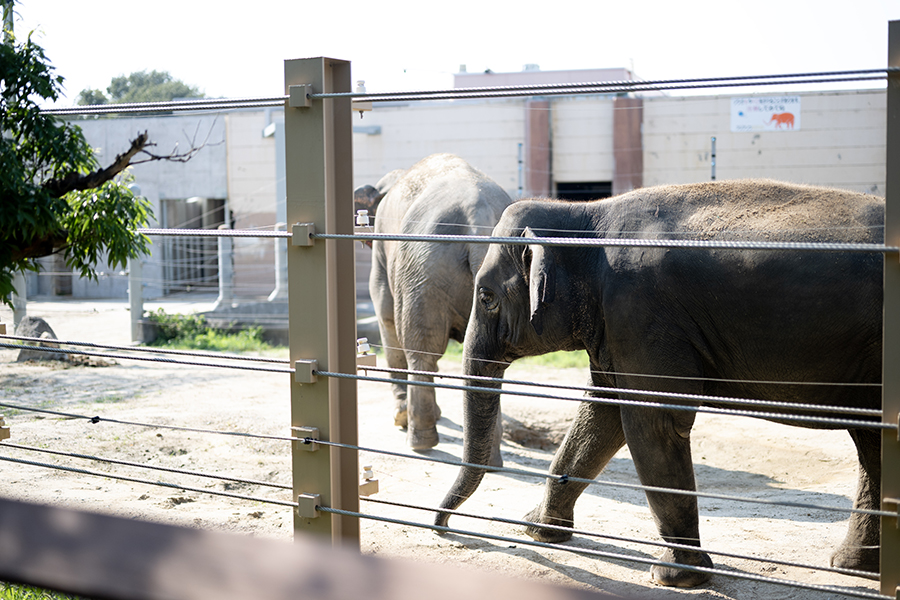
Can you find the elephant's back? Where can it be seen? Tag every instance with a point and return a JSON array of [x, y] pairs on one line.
[[762, 210]]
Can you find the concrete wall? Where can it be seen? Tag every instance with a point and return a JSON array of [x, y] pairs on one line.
[[840, 143]]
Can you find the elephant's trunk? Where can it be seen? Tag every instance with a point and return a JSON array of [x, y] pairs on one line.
[[481, 410]]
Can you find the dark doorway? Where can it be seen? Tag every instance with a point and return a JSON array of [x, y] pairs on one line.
[[191, 263], [584, 190]]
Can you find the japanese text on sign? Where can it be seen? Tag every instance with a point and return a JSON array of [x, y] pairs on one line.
[[775, 113]]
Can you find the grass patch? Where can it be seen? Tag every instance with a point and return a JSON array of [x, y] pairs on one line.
[[192, 332], [9, 591], [556, 360]]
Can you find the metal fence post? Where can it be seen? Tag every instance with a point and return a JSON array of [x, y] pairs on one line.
[[136, 298], [890, 444], [225, 251], [20, 305], [321, 284]]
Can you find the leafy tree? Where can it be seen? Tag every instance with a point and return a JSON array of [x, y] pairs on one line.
[[140, 86], [53, 195]]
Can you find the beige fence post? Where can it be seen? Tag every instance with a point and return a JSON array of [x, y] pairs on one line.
[[890, 445], [321, 287]]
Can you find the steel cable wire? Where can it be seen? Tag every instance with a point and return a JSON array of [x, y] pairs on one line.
[[653, 394], [146, 481], [614, 242], [146, 358], [543, 241], [643, 375], [150, 350], [555, 89], [823, 76], [97, 419], [620, 538], [832, 422], [126, 463], [464, 94], [230, 233], [530, 473], [601, 482], [609, 555]]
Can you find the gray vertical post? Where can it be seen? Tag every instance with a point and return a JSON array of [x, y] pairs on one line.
[[280, 292], [20, 305], [521, 170], [321, 282], [226, 271], [890, 441], [713, 158], [136, 298]]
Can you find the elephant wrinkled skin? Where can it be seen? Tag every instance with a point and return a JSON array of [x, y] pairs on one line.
[[422, 291], [725, 323]]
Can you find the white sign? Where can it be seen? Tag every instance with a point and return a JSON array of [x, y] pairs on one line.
[[776, 113]]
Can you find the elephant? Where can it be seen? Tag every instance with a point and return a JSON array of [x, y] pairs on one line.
[[422, 291], [710, 322]]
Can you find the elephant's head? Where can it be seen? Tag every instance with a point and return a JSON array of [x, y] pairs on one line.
[[523, 306], [368, 197]]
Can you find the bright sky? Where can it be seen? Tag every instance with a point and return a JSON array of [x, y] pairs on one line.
[[237, 49]]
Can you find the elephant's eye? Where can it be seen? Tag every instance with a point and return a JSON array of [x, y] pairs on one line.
[[487, 298]]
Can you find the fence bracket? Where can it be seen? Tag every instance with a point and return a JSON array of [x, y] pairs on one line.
[[307, 504], [305, 370], [4, 430], [306, 433], [299, 95], [301, 234], [369, 484], [366, 360]]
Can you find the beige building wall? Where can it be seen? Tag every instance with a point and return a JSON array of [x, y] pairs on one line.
[[251, 199], [484, 133], [840, 142]]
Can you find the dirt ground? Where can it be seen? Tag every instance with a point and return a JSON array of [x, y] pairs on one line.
[[732, 456]]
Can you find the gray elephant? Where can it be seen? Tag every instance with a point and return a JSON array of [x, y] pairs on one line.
[[422, 291], [694, 321]]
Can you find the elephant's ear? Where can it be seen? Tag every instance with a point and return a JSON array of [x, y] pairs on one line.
[[542, 282]]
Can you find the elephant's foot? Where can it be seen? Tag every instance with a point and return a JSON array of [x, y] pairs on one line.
[[422, 439], [401, 418], [675, 577], [858, 558], [543, 534]]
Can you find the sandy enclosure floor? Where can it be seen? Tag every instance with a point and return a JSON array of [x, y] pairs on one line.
[[732, 456]]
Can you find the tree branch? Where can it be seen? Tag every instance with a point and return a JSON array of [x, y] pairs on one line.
[[73, 182]]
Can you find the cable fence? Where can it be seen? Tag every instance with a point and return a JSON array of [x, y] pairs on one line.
[[346, 369]]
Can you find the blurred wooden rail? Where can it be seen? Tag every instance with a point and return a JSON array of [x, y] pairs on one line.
[[107, 557]]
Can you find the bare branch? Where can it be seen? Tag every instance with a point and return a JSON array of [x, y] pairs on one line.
[[73, 182], [139, 146]]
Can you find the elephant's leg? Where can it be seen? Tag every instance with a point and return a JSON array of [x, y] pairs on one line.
[[860, 549], [660, 445], [383, 301], [396, 359], [422, 407], [594, 437]]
